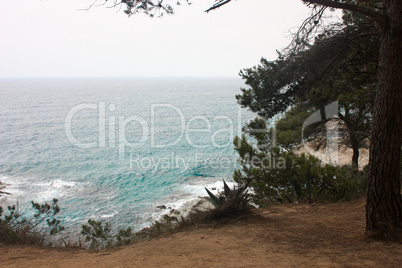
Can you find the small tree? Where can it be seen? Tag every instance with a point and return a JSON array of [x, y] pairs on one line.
[[24, 227], [99, 235]]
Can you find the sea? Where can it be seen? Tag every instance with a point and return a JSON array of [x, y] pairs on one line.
[[116, 149]]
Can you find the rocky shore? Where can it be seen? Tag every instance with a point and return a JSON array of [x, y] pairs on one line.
[[198, 204]]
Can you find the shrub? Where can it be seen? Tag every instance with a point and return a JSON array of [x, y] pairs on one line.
[[229, 202], [99, 235], [301, 178], [22, 227]]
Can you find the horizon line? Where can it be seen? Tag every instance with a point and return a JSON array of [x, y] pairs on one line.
[[110, 77]]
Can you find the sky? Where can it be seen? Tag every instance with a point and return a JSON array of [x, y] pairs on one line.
[[57, 38]]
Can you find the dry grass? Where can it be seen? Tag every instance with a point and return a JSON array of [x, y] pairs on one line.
[[330, 235]]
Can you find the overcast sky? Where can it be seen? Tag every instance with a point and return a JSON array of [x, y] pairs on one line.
[[54, 38]]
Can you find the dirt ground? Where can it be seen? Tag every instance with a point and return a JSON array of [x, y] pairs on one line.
[[296, 235]]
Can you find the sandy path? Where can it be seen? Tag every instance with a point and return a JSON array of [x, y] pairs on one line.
[[282, 236]]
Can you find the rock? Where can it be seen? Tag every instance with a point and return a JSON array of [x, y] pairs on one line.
[[1, 192], [168, 218], [161, 207], [174, 211]]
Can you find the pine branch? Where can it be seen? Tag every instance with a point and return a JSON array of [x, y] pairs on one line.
[[217, 5], [377, 17]]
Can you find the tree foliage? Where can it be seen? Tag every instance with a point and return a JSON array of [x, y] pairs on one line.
[[150, 8], [340, 66]]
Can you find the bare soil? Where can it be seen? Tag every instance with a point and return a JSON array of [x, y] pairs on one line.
[[297, 235]]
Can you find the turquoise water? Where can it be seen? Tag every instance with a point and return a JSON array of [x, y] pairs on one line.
[[114, 149]]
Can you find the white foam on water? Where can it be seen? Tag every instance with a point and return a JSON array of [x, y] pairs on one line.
[[106, 216], [27, 189], [54, 189]]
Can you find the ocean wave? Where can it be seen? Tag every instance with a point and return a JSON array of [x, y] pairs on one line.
[[26, 189]]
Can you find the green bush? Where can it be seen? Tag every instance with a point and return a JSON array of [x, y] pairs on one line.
[[29, 227], [99, 235], [287, 177]]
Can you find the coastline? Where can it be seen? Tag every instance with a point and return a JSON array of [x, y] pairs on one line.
[[197, 204], [187, 196]]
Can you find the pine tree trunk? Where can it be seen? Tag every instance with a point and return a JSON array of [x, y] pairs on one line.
[[355, 156], [384, 202]]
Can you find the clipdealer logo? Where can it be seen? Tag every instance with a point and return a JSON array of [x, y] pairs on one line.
[[109, 124]]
